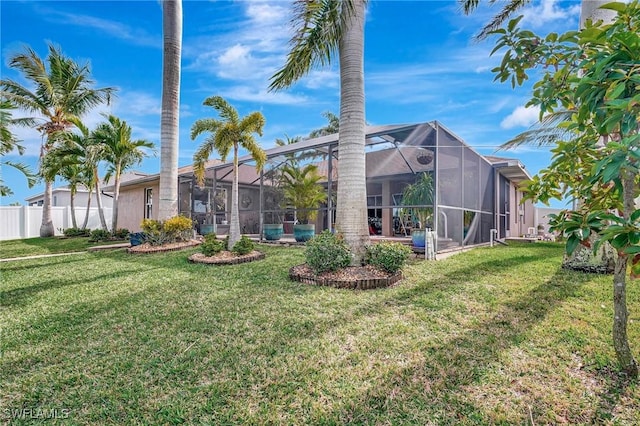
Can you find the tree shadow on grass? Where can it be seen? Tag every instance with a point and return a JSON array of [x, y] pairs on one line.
[[449, 368], [25, 265], [21, 295]]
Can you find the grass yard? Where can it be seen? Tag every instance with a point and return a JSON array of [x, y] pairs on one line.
[[491, 336], [38, 246]]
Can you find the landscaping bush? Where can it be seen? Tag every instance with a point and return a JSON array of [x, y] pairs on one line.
[[177, 228], [243, 246], [99, 235], [327, 252], [389, 257], [211, 245], [76, 232], [121, 234]]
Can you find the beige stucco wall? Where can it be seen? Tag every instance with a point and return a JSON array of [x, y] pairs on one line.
[[131, 205], [522, 215]]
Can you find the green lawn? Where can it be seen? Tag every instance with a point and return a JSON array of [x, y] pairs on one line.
[[37, 246], [491, 336]]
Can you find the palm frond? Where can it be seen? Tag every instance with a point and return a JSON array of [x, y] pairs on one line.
[[200, 159], [25, 170], [224, 108], [545, 133], [205, 125], [252, 123], [317, 29], [258, 154]]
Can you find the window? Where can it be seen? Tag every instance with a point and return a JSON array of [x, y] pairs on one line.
[[148, 203], [55, 200]]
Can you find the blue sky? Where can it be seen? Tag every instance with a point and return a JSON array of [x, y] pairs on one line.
[[421, 64]]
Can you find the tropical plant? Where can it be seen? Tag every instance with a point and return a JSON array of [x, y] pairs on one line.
[[302, 189], [332, 126], [113, 139], [320, 29], [390, 257], [62, 92], [327, 252], [211, 245], [230, 133], [9, 143], [420, 194], [590, 9], [80, 146], [243, 246], [595, 71], [170, 118]]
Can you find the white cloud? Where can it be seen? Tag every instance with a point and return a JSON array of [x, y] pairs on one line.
[[521, 117], [249, 94], [115, 29], [541, 14]]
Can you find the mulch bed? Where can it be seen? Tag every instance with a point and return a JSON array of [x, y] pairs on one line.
[[226, 258], [148, 248], [353, 277]]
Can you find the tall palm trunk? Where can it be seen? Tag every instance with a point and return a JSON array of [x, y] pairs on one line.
[[46, 227], [72, 203], [86, 213], [103, 221], [590, 9], [169, 122], [351, 213], [116, 196], [234, 226]]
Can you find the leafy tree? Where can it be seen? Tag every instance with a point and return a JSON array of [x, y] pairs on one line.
[[322, 28], [61, 91], [9, 143], [113, 140], [230, 133], [169, 122], [593, 74]]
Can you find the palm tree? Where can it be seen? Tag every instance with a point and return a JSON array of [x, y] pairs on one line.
[[229, 133], [62, 91], [114, 141], [9, 143], [333, 125], [169, 122], [79, 148], [321, 28]]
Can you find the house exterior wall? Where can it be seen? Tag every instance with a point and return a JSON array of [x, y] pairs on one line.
[[131, 205], [522, 215]]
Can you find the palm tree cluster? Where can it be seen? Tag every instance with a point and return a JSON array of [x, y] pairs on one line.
[[59, 93]]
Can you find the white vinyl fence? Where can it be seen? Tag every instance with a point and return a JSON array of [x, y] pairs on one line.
[[24, 221]]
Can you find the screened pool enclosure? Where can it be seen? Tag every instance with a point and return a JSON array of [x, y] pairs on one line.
[[470, 193]]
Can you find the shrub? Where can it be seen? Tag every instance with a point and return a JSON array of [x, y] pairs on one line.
[[243, 246], [99, 235], [178, 227], [121, 233], [76, 232], [327, 252], [389, 257], [211, 245]]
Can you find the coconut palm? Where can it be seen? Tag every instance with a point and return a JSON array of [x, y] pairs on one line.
[[169, 121], [62, 90], [320, 29], [79, 148], [9, 143], [113, 139], [332, 126], [230, 133]]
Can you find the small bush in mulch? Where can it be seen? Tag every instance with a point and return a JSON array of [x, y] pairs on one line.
[[215, 252], [76, 232], [388, 256], [328, 258]]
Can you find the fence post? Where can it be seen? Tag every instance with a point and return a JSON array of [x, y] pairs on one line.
[[24, 232]]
